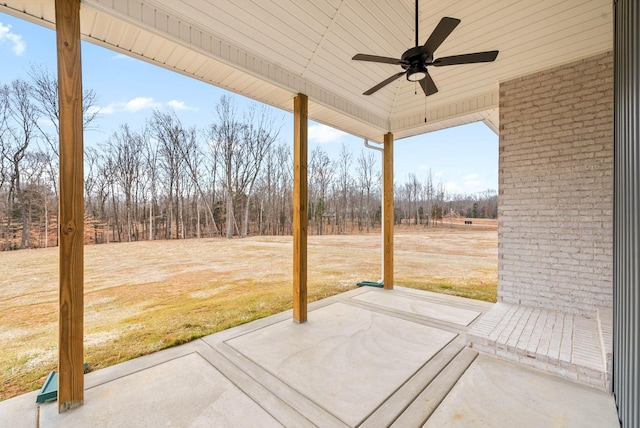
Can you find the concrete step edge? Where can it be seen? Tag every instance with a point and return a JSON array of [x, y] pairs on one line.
[[430, 398]]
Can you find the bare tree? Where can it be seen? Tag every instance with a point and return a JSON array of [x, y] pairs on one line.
[[321, 176], [124, 149], [259, 133], [414, 190], [367, 178], [284, 203], [44, 90], [488, 203], [4, 135], [344, 183], [150, 154], [22, 116], [438, 210], [4, 159], [168, 131], [188, 175], [226, 137], [44, 87], [35, 193], [97, 188], [194, 161], [274, 191], [428, 195]]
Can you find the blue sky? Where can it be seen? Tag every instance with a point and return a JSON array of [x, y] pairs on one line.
[[465, 158]]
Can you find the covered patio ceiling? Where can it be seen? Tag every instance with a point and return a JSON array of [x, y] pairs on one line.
[[270, 50]]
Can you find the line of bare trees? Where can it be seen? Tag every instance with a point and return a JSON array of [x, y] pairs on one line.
[[426, 202], [170, 181], [29, 158]]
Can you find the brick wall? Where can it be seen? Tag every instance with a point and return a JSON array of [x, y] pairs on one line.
[[556, 188]]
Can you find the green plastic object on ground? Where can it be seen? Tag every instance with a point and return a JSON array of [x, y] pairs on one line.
[[49, 390], [370, 284]]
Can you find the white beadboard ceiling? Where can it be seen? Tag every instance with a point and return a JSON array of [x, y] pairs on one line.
[[270, 50]]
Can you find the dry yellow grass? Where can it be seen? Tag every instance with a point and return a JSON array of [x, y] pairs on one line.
[[145, 296]]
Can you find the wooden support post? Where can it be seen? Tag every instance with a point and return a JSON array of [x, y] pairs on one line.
[[300, 149], [71, 318], [387, 226]]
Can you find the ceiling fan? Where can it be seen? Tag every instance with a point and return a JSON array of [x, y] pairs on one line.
[[415, 61]]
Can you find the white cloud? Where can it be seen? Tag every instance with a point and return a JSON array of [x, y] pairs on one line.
[[132, 106], [139, 103], [179, 105], [472, 183], [324, 134], [451, 186], [120, 56], [19, 45], [110, 109], [471, 177]]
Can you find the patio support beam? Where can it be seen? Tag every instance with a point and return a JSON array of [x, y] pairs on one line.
[[300, 193], [387, 222], [71, 206]]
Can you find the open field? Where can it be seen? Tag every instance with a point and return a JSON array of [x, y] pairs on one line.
[[144, 296]]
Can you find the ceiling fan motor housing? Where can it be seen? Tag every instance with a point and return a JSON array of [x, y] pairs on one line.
[[416, 56]]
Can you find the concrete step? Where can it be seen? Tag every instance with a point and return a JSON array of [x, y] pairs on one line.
[[404, 396], [428, 400], [426, 389], [419, 400]]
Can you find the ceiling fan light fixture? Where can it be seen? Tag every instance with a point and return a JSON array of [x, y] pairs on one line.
[[416, 73]]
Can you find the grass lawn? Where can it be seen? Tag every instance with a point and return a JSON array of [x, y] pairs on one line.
[[145, 296]]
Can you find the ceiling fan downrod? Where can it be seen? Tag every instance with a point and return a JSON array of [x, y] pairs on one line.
[[416, 14]]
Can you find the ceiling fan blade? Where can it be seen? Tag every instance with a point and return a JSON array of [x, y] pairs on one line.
[[442, 31], [428, 85], [466, 58], [375, 58], [383, 83]]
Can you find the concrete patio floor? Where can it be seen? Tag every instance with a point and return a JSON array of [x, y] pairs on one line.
[[367, 357]]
